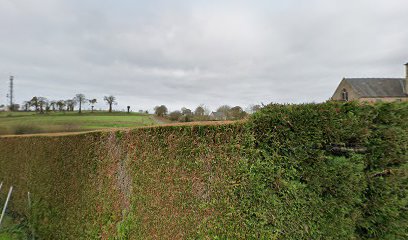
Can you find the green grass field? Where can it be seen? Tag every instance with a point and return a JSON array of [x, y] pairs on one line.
[[31, 122]]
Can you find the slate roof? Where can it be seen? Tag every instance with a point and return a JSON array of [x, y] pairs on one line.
[[378, 87], [218, 115]]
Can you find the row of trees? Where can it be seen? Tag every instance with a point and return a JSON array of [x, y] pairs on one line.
[[42, 104], [185, 115], [202, 113]]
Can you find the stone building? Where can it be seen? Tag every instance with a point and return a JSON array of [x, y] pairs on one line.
[[373, 89], [218, 116]]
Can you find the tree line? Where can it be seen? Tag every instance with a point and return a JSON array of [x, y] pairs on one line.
[[202, 113], [42, 104]]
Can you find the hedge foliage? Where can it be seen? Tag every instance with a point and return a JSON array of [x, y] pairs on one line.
[[326, 171], [314, 171]]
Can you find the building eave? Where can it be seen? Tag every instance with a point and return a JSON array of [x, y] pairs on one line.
[[405, 96]]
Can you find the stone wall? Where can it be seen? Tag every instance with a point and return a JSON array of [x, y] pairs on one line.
[[352, 95]]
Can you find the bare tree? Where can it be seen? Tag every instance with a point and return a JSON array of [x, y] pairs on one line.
[[26, 105], [186, 111], [61, 104], [47, 106], [160, 111], [237, 113], [110, 100], [199, 111], [34, 103], [53, 105], [42, 103], [254, 108], [175, 115], [225, 110], [80, 98], [70, 103], [92, 102]]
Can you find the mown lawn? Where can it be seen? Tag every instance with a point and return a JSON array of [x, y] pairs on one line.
[[31, 122]]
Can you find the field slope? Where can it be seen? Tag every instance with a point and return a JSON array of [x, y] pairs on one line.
[[30, 122]]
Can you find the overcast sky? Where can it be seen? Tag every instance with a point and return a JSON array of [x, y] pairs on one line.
[[190, 52]]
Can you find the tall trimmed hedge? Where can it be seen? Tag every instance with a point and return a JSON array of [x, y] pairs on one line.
[[326, 171], [314, 171]]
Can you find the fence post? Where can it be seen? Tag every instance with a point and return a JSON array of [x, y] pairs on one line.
[[30, 210], [5, 205], [29, 199]]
